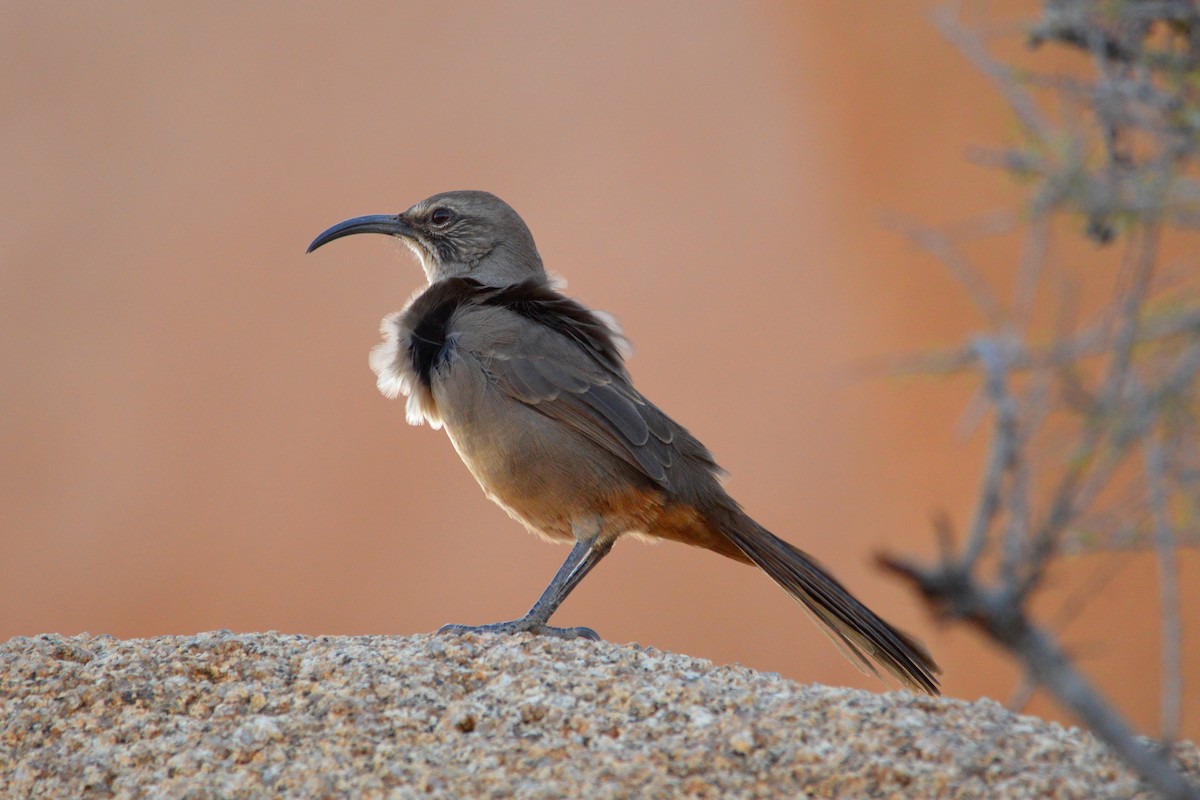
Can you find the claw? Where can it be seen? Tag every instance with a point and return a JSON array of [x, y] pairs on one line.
[[580, 633]]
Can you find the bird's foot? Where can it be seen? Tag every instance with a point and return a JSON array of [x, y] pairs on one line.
[[523, 625]]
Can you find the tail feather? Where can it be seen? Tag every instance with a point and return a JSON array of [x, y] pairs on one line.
[[864, 638]]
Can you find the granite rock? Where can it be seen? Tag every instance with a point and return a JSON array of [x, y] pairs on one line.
[[224, 715]]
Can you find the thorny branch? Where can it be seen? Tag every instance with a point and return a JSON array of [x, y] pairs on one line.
[[1112, 142]]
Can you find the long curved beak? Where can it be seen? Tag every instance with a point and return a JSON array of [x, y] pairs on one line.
[[390, 224]]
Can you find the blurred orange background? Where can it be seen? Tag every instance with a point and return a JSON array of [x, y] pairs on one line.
[[192, 438]]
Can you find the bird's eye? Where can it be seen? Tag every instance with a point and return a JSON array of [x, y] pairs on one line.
[[441, 216]]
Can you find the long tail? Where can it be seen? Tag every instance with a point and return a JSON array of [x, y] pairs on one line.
[[862, 636]]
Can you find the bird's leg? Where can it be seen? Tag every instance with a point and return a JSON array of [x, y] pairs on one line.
[[584, 555]]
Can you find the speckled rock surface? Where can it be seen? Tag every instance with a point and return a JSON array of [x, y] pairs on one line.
[[222, 715]]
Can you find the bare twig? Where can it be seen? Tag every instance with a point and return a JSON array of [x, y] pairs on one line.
[[952, 593], [1119, 150], [1004, 447], [1142, 255], [1168, 586], [1029, 270], [1068, 348], [1078, 599], [942, 247], [976, 52], [1022, 693]]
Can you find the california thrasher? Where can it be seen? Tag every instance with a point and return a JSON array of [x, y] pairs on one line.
[[532, 389]]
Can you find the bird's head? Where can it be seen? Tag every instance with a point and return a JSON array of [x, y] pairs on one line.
[[464, 234]]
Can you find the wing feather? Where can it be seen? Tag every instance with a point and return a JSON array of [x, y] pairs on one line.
[[558, 377]]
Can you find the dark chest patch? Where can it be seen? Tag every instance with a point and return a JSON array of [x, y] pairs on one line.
[[428, 319]]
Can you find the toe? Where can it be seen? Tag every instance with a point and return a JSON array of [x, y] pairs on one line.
[[584, 633]]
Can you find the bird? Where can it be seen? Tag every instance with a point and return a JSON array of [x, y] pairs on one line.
[[532, 389]]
